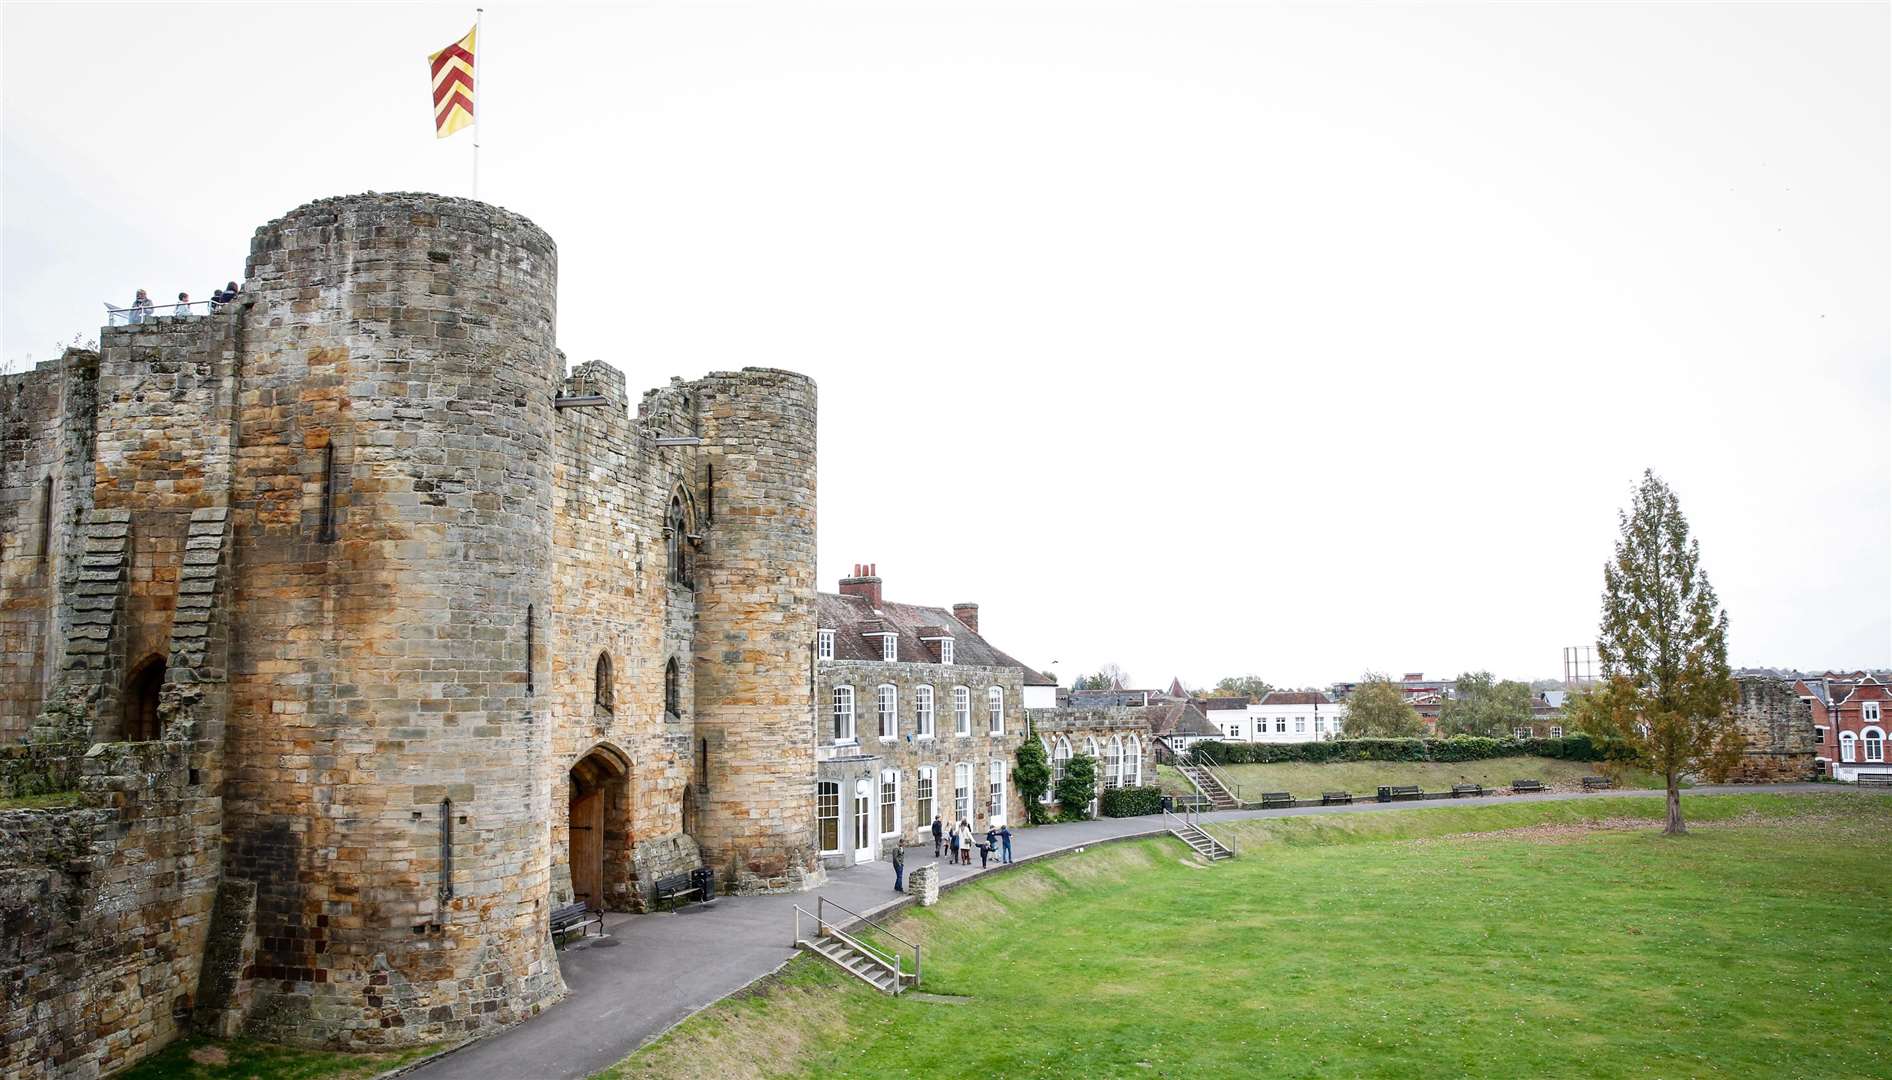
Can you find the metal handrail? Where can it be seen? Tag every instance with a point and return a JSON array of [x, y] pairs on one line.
[[123, 316], [821, 905], [1207, 764]]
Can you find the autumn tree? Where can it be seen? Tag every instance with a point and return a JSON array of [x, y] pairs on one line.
[[1252, 687], [1483, 706], [1663, 646], [1378, 710]]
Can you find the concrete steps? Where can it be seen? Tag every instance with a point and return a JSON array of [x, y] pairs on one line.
[[1202, 843], [1205, 782], [864, 966]]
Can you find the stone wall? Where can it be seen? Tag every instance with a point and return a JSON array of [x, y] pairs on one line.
[[1091, 731], [1778, 728], [908, 751]]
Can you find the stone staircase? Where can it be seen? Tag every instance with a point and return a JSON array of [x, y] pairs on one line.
[[847, 954], [1199, 840], [1211, 787]]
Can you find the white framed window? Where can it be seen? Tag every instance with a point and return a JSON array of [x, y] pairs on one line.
[[844, 714], [995, 790], [962, 711], [1113, 763], [863, 820], [1320, 724], [1060, 757], [1869, 711], [1848, 746], [1556, 731], [1133, 762], [890, 802], [1336, 727], [922, 712], [1875, 744], [962, 792], [923, 794], [1300, 725], [887, 710], [1819, 735], [995, 711], [946, 651], [890, 647], [824, 644], [1281, 725], [828, 817]]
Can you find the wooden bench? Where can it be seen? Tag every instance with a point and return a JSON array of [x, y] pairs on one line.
[[1597, 783], [1461, 791], [678, 885], [1401, 791], [1335, 798], [1875, 780], [575, 917], [1527, 785], [1276, 798]]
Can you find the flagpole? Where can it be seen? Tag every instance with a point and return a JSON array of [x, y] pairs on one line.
[[479, 50]]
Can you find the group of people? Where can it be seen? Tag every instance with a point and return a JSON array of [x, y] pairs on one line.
[[957, 841], [142, 308]]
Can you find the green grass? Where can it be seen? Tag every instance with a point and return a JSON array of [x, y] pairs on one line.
[[1308, 781], [247, 1059], [1525, 939], [52, 801]]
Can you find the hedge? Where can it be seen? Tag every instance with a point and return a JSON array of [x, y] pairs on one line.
[[1131, 801], [1577, 747]]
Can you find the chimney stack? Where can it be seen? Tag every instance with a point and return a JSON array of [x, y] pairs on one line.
[[968, 614], [865, 584]]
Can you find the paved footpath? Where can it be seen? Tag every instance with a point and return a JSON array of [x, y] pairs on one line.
[[652, 971]]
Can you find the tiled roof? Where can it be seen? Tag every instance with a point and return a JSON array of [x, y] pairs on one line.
[[852, 620], [1220, 704], [1179, 718], [1296, 697], [1107, 699]]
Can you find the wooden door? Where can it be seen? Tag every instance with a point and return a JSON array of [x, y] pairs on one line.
[[587, 849]]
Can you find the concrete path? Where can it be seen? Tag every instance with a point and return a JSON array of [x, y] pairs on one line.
[[652, 971]]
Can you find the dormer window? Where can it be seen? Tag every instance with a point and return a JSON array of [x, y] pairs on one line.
[[890, 647], [824, 644], [946, 650]]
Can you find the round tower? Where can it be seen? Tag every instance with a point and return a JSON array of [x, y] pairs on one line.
[[388, 786], [755, 630]]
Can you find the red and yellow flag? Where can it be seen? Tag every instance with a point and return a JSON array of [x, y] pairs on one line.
[[453, 85]]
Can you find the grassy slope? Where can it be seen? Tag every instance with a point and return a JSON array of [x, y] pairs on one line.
[[1378, 945], [246, 1059], [1362, 777]]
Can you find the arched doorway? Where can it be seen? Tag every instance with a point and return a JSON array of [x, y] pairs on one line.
[[597, 829], [142, 690]]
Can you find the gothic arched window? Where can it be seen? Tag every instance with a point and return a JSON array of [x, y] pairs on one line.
[[602, 694], [676, 540], [673, 690]]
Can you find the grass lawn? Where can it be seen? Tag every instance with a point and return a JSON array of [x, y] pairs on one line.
[[246, 1059], [1308, 781], [1526, 939]]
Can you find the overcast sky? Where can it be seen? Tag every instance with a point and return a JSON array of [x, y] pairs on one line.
[[1279, 339]]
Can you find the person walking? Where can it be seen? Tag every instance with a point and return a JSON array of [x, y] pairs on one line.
[[899, 866], [984, 850], [1005, 837], [939, 833], [965, 842], [952, 847]]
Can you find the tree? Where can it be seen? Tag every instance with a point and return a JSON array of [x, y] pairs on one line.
[[1107, 677], [1032, 774], [1252, 687], [1482, 706], [1077, 788], [1377, 710], [1663, 646]]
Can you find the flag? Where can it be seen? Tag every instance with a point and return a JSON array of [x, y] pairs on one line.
[[453, 85]]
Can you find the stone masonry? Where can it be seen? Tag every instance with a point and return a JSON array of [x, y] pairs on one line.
[[1778, 728]]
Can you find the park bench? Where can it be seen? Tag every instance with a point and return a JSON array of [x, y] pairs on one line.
[[575, 917], [1335, 798], [1401, 791], [1527, 785], [1597, 783], [1460, 791], [1276, 798], [700, 881], [1875, 779]]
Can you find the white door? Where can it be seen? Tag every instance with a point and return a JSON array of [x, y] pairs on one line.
[[863, 821]]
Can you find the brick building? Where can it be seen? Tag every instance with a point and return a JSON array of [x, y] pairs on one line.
[[1850, 713]]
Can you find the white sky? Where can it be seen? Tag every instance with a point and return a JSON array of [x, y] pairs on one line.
[[1286, 339]]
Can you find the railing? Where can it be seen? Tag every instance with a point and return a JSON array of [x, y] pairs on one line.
[[1207, 764], [125, 316], [893, 960], [1186, 821]]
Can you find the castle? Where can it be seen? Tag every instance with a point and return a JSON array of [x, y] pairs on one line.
[[367, 635]]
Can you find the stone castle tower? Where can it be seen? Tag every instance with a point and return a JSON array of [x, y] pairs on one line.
[[426, 636]]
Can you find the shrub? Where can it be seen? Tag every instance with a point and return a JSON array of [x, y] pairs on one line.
[[1131, 802], [1075, 789], [1577, 747], [1033, 777]]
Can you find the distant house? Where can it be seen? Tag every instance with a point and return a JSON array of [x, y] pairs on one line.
[[1281, 716], [1851, 714]]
